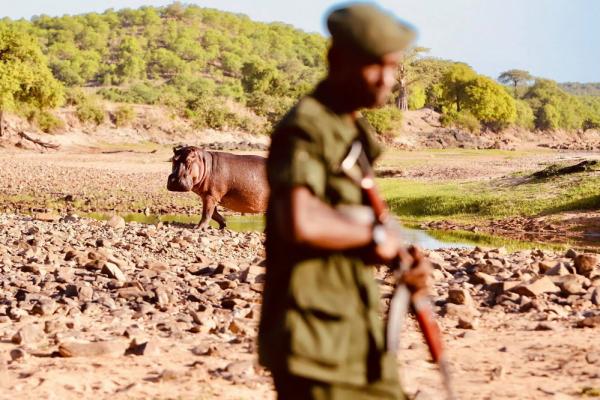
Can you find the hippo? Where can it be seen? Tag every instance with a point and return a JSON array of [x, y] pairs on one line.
[[237, 182]]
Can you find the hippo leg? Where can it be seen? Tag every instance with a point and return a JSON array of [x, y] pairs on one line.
[[209, 205], [219, 219]]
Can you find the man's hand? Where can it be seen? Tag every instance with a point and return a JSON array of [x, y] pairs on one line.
[[417, 278], [391, 248]]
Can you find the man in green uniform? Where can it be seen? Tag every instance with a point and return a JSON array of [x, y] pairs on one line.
[[321, 334]]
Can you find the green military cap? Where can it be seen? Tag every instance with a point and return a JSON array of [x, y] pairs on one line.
[[368, 30]]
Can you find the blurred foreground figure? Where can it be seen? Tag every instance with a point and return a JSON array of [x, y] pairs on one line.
[[321, 334]]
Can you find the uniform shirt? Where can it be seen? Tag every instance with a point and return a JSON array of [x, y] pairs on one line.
[[320, 314]]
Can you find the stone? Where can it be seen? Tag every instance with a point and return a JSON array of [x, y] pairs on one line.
[[29, 334], [459, 296], [44, 307], [147, 348], [253, 274], [169, 375], [572, 284], [589, 322], [116, 222], [437, 275], [571, 253], [85, 293], [558, 270], [114, 272], [593, 357], [536, 288], [483, 279], [596, 296], [460, 311], [113, 348], [202, 350], [467, 323], [18, 354], [162, 297], [545, 326], [241, 368], [585, 264], [505, 286]]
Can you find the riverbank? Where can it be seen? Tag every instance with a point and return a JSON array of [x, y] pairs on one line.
[[483, 191]]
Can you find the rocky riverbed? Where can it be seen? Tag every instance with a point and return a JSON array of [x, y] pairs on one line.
[[109, 309]]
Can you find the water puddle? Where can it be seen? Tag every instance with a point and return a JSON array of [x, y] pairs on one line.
[[431, 239]]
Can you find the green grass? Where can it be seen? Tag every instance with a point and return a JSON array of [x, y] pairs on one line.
[[496, 198], [240, 223]]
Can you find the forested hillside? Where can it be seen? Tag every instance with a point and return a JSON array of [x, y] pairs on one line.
[[583, 89], [224, 71]]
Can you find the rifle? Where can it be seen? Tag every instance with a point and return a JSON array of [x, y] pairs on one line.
[[402, 297]]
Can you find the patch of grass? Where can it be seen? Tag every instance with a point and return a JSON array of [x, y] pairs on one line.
[[409, 198], [240, 223], [485, 240]]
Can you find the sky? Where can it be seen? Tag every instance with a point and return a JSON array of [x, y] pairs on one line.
[[556, 39]]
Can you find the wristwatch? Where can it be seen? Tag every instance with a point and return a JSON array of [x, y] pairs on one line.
[[379, 234]]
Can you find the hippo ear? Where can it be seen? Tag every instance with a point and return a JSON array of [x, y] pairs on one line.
[[177, 148]]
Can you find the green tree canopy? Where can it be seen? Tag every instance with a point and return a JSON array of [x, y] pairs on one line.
[[24, 74], [454, 85], [515, 77], [489, 103]]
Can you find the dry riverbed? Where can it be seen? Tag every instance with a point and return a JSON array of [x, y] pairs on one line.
[[108, 309], [97, 309]]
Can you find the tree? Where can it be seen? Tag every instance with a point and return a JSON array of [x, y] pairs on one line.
[[24, 74], [405, 80], [515, 77], [489, 103], [454, 85]]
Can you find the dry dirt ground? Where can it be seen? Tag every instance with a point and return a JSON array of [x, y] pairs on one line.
[[168, 313]]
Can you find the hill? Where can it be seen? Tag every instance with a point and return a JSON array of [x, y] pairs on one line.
[[226, 72], [582, 89]]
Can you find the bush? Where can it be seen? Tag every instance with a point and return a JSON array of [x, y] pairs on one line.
[[591, 123], [48, 122], [207, 112], [525, 118], [90, 112], [384, 119], [269, 106], [548, 117], [76, 97], [124, 115], [140, 93], [463, 120]]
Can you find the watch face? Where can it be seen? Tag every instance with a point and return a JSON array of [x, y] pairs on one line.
[[379, 234]]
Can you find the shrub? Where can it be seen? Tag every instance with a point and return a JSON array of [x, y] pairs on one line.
[[384, 119], [207, 112], [591, 123], [548, 117], [124, 115], [90, 112], [76, 97], [463, 120], [269, 106], [525, 118], [49, 123]]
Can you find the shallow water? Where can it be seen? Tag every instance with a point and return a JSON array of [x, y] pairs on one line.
[[424, 239]]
